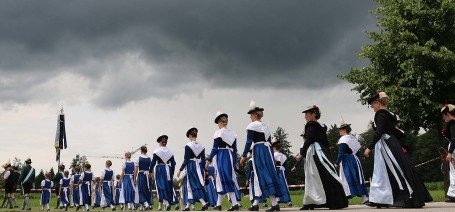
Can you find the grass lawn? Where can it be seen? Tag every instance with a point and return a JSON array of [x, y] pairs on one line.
[[296, 196]]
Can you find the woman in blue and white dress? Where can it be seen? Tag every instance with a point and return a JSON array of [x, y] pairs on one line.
[[224, 160], [250, 181], [64, 190], [46, 186], [75, 186], [143, 165], [210, 186], [280, 159], [194, 162], [266, 181], [351, 172], [163, 166], [107, 179], [85, 187], [128, 190]]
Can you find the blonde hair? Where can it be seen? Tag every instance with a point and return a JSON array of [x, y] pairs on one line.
[[128, 155]]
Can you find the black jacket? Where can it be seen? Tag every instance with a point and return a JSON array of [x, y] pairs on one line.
[[314, 132], [386, 123], [449, 134]]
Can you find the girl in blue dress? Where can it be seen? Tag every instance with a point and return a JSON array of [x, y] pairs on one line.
[[107, 179], [97, 190], [266, 180], [194, 162], [224, 160], [75, 186], [143, 165], [280, 159], [85, 183], [210, 186], [127, 192], [46, 186], [118, 186], [163, 164], [351, 172], [64, 190]]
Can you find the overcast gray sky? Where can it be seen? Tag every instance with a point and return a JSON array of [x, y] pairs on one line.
[[127, 71]]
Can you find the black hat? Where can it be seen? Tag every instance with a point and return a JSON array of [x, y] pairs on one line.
[[28, 161], [312, 109], [220, 115], [190, 131], [161, 137], [376, 97], [343, 125], [62, 167], [254, 108]]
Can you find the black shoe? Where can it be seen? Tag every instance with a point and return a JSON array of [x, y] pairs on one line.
[[290, 204], [233, 208], [78, 208], [186, 209], [205, 207], [217, 208], [306, 208], [254, 208], [168, 208], [114, 209], [265, 205], [177, 208], [274, 208]]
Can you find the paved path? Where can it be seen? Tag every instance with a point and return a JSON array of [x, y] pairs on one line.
[[433, 206]]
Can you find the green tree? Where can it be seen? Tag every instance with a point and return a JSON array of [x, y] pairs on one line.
[[281, 136], [411, 58], [367, 163], [78, 161], [51, 173], [17, 162], [426, 149], [333, 136], [39, 178]]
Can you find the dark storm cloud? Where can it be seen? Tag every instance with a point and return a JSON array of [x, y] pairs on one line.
[[221, 44]]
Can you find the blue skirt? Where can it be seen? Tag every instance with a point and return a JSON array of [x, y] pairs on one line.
[[86, 196], [224, 166], [143, 187], [45, 197], [76, 196], [127, 189], [117, 196], [164, 186], [253, 196], [107, 193], [194, 183], [211, 192], [185, 199], [64, 195], [353, 174], [285, 196], [266, 171], [97, 198]]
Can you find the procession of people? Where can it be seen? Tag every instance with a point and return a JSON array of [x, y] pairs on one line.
[[208, 179]]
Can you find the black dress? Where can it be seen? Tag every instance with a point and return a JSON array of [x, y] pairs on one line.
[[315, 136], [393, 139]]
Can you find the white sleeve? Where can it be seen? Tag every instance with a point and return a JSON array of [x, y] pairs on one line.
[[136, 162], [123, 165], [7, 173], [52, 184], [61, 181], [43, 182], [102, 174], [82, 176], [72, 178]]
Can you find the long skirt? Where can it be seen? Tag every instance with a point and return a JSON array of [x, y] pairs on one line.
[[127, 192], [226, 178], [266, 182], [45, 196], [285, 196], [395, 182], [143, 187], [252, 195], [323, 187], [211, 192], [64, 196], [184, 192], [85, 194], [76, 195], [163, 182], [106, 196], [351, 173], [97, 198], [195, 181]]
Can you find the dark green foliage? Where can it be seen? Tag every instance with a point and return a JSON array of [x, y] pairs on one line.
[[281, 136]]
